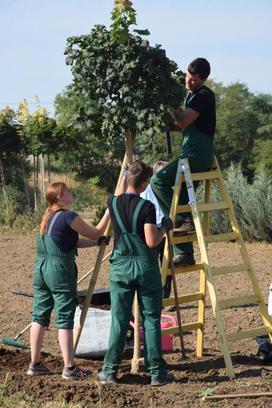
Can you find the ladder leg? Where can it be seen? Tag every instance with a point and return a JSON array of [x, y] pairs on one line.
[[201, 314], [202, 278], [244, 254]]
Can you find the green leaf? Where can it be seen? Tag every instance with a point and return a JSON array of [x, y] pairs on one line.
[[142, 32], [207, 392]]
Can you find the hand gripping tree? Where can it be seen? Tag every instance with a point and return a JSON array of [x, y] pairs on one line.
[[132, 83]]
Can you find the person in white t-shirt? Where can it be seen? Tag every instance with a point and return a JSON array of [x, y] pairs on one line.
[[148, 194]]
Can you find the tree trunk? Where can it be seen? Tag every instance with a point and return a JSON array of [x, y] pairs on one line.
[[3, 183], [35, 159], [25, 181], [49, 168], [12, 178], [2, 174], [42, 170]]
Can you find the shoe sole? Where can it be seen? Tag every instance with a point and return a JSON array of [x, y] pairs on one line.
[[33, 374], [183, 233]]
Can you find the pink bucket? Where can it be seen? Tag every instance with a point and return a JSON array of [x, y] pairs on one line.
[[167, 321]]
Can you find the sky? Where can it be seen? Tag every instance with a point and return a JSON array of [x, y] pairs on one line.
[[234, 35]]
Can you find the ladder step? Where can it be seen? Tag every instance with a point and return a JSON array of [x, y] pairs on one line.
[[185, 238], [238, 301], [192, 297], [246, 334], [204, 207], [184, 269], [186, 327], [228, 269], [207, 175], [227, 236]]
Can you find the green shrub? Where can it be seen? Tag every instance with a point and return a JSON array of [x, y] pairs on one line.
[[252, 204], [12, 203], [88, 197]]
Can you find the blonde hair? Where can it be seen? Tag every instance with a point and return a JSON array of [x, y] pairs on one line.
[[53, 192]]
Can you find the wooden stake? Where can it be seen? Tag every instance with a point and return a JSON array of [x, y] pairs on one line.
[[232, 396], [96, 270]]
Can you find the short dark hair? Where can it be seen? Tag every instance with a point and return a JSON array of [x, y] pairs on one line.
[[138, 173], [201, 67]]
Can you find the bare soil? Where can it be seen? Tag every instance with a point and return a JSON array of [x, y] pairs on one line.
[[193, 376]]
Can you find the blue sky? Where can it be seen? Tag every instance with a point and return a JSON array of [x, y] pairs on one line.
[[234, 35]]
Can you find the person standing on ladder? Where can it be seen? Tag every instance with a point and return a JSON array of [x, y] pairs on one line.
[[197, 123], [135, 268]]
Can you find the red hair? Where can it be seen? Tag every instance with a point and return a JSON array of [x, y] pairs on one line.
[[53, 193]]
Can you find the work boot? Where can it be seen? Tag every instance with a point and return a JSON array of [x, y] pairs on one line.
[[184, 227], [184, 259], [107, 378], [168, 378]]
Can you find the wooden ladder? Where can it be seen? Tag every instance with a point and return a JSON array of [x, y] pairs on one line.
[[208, 273]]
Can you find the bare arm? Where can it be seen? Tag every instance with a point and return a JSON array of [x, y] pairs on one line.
[[86, 243], [153, 235], [185, 118], [92, 233]]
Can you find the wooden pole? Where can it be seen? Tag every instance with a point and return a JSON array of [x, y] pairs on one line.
[[232, 396], [96, 270]]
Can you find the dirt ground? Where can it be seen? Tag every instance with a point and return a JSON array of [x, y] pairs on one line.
[[193, 376]]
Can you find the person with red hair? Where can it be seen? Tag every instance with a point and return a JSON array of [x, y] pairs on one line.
[[55, 276]]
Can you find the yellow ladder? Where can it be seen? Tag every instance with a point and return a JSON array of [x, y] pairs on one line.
[[207, 272]]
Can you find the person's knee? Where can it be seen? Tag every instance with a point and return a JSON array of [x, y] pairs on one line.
[[64, 310]]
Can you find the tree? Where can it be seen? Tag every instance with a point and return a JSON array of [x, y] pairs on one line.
[[83, 151], [9, 140], [244, 123], [128, 84], [38, 131]]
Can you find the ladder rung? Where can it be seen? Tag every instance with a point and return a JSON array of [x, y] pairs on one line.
[[186, 327], [189, 268], [184, 238], [207, 175], [228, 236], [238, 301], [204, 207], [246, 334], [228, 269], [192, 297]]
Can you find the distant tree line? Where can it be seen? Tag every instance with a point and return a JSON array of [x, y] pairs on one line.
[[243, 135]]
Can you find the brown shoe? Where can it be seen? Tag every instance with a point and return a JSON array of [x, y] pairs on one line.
[[185, 227]]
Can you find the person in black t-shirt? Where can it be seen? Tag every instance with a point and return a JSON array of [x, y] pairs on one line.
[[55, 276], [135, 269], [197, 123]]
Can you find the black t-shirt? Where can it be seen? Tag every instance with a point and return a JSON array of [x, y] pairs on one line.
[[126, 204], [62, 234], [203, 102]]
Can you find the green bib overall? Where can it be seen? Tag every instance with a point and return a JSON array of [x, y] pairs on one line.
[[135, 269], [197, 147], [55, 283]]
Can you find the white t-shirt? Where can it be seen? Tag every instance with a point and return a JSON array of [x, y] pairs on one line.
[[148, 194]]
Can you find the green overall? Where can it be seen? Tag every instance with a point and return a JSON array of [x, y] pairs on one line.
[[55, 284], [135, 269], [197, 147]]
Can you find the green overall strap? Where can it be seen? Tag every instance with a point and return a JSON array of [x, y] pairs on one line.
[[135, 215], [117, 216]]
